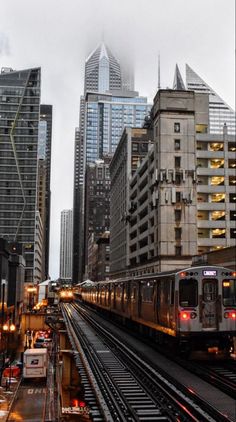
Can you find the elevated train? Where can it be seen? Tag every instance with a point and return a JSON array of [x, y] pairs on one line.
[[190, 310], [66, 295]]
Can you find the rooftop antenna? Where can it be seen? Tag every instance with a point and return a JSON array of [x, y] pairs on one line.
[[159, 72], [103, 35]]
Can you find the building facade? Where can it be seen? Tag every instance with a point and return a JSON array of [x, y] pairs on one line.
[[19, 121], [97, 201], [46, 112], [131, 150], [106, 116], [181, 199], [66, 243]]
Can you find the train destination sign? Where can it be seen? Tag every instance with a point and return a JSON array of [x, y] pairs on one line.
[[212, 273]]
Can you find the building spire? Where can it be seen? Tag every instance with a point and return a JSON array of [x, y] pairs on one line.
[[159, 72], [178, 83]]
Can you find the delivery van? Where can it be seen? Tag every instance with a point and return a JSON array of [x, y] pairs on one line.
[[35, 363]]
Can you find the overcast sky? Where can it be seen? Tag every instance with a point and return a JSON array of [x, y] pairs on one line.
[[58, 35]]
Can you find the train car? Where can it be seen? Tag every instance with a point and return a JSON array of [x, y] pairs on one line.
[[192, 309], [66, 295]]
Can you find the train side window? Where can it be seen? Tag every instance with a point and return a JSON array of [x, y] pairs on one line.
[[147, 292], [188, 292], [133, 294], [229, 292], [172, 292]]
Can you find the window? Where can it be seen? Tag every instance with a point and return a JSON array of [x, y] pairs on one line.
[[176, 127], [177, 162], [177, 144], [188, 292], [178, 250], [178, 196], [177, 179], [233, 233], [144, 147], [178, 233], [147, 292], [232, 197], [232, 215], [177, 215], [134, 147], [229, 292]]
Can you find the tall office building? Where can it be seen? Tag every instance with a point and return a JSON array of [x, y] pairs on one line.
[[97, 201], [181, 199], [106, 115], [106, 108], [19, 121], [131, 150], [45, 128], [66, 242], [219, 112], [102, 71]]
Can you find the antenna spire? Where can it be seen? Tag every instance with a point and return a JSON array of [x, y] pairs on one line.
[[159, 72]]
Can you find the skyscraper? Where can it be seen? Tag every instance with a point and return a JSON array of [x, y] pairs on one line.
[[19, 121], [102, 71], [66, 246], [106, 115], [46, 128], [219, 112]]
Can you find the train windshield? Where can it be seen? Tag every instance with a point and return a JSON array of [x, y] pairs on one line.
[[229, 292], [188, 292]]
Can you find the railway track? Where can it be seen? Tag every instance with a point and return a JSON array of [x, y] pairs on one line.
[[126, 387], [221, 374]]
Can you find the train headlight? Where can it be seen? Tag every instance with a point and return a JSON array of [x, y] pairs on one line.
[[193, 315], [70, 294]]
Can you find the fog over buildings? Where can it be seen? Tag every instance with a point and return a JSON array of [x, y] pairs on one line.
[[60, 35]]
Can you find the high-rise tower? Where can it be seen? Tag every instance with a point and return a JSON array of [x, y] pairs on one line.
[[219, 112], [19, 121], [66, 246], [102, 71], [108, 105], [45, 126]]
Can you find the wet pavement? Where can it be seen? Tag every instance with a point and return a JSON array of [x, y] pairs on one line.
[[6, 398], [29, 403]]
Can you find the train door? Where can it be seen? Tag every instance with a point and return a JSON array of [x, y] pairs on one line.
[[209, 304]]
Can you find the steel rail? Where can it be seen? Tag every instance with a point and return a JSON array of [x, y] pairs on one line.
[[179, 397]]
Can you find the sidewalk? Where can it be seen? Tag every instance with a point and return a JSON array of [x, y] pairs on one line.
[[6, 398]]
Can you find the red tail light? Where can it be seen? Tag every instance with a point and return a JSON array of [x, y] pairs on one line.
[[78, 403], [230, 315], [184, 316]]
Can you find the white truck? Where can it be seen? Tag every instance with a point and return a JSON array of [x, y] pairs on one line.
[[35, 363]]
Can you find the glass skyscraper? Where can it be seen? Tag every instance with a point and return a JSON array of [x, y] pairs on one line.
[[219, 112], [106, 117], [108, 106], [19, 122]]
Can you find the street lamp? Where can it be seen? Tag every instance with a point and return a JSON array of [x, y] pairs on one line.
[[8, 328]]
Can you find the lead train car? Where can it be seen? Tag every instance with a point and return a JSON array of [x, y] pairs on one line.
[[192, 309]]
